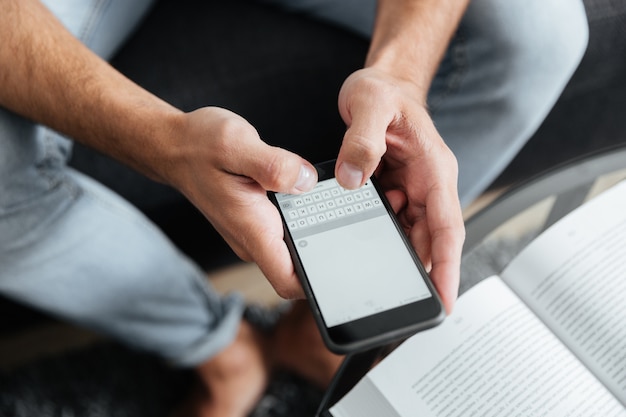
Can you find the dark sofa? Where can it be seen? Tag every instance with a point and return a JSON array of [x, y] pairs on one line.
[[283, 72]]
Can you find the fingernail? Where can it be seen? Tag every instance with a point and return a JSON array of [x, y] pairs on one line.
[[306, 180], [349, 176]]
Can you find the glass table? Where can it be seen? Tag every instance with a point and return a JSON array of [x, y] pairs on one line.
[[495, 234]]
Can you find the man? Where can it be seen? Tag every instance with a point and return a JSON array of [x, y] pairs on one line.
[[73, 248]]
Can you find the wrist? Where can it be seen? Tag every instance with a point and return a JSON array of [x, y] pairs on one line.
[[401, 71], [157, 149], [137, 129], [410, 38]]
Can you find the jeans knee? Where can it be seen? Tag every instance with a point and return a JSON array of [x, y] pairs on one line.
[[559, 43], [34, 190], [548, 45], [534, 48], [574, 34]]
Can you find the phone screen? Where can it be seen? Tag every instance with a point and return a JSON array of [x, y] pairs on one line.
[[356, 262]]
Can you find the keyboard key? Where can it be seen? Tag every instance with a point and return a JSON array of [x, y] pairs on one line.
[[328, 205]]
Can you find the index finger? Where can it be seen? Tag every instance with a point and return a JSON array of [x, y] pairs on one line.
[[364, 144], [265, 243], [447, 231]]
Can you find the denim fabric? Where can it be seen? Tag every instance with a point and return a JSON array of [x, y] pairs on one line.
[[75, 249], [503, 71], [507, 66]]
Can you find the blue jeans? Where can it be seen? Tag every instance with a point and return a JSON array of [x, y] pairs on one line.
[[73, 248]]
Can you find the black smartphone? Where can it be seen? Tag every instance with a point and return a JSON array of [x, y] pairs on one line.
[[363, 279]]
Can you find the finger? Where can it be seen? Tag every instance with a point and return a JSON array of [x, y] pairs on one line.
[[421, 241], [447, 236], [276, 169], [274, 260], [363, 146], [263, 243], [397, 199]]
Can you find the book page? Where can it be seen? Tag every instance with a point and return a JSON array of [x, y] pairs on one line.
[[573, 277], [491, 357]]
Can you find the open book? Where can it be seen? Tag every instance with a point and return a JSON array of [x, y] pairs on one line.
[[545, 338]]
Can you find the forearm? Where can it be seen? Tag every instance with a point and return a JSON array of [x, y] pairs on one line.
[[48, 76], [410, 38]]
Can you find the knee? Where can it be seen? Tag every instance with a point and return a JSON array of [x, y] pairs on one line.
[[544, 49], [569, 37], [528, 50]]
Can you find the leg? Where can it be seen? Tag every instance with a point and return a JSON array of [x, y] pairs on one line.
[[102, 25], [76, 250], [502, 74], [90, 258], [72, 248], [295, 345]]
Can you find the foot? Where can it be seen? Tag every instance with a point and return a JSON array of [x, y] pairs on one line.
[[232, 382], [298, 347]]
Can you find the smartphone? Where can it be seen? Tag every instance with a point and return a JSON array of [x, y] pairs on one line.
[[363, 279]]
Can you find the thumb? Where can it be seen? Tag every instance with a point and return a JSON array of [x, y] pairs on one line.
[[364, 144], [277, 169]]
